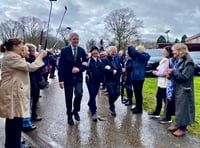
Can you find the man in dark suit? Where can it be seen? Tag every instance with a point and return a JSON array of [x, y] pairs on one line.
[[72, 64]]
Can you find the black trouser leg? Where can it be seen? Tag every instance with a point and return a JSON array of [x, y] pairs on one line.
[[13, 129], [68, 99], [78, 91], [161, 95], [114, 92], [93, 89], [35, 96], [129, 94], [169, 109], [138, 86]]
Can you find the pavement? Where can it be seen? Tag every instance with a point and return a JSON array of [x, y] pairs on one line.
[[126, 130]]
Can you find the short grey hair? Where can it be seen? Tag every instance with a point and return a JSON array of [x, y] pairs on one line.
[[73, 34]]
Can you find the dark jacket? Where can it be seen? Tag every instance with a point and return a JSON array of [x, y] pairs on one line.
[[66, 63], [139, 63], [184, 93], [109, 76], [34, 78], [95, 70], [129, 67]]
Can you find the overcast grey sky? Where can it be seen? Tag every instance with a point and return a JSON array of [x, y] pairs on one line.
[[86, 17]]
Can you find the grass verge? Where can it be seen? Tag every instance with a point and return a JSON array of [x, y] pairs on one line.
[[149, 102]]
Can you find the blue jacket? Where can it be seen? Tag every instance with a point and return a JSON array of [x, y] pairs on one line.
[[139, 63]]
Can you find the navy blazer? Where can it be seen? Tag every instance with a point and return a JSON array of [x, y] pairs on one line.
[[66, 63]]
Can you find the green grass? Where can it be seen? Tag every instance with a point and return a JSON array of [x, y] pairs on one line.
[[149, 102]]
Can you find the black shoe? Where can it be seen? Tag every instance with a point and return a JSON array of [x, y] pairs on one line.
[[133, 108], [38, 118], [29, 128], [137, 111], [24, 145], [154, 115], [124, 101], [94, 117], [165, 120], [70, 121], [76, 116], [113, 113], [128, 103], [52, 77]]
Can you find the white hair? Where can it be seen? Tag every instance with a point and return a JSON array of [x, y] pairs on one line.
[[111, 48], [140, 48]]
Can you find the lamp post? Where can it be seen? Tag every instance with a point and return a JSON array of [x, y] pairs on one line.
[[63, 35], [45, 46], [59, 28], [167, 35]]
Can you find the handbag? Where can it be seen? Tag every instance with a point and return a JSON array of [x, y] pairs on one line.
[[43, 84]]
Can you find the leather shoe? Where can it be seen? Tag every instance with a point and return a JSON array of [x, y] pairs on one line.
[[38, 118], [133, 108], [29, 128], [137, 111], [128, 103], [179, 133], [70, 121], [76, 116], [113, 113], [24, 145], [172, 128]]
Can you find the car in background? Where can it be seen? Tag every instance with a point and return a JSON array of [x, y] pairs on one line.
[[195, 55], [156, 56]]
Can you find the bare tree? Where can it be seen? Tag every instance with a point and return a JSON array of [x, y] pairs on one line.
[[90, 43], [124, 25], [31, 28], [10, 28]]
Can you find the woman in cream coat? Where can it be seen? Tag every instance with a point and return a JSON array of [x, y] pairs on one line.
[[15, 89]]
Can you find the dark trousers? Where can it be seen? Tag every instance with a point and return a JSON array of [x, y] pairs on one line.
[[138, 86], [169, 108], [183, 127], [13, 129], [113, 92], [45, 76], [93, 89], [78, 91], [52, 72], [35, 96], [160, 98], [129, 93]]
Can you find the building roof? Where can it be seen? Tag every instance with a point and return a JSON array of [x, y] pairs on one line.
[[194, 36]]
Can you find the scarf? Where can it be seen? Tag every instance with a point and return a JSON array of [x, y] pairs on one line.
[[170, 86]]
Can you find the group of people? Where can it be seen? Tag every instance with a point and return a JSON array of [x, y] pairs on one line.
[[19, 71], [74, 61], [175, 81], [175, 86]]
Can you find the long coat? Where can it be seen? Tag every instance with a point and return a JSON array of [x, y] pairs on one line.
[[15, 85], [184, 93]]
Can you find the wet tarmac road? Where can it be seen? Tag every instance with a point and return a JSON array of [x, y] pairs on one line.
[[124, 131]]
